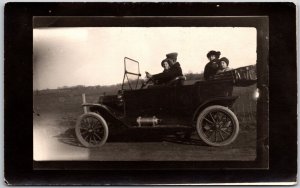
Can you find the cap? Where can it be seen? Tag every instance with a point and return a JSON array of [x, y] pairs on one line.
[[172, 55], [225, 60]]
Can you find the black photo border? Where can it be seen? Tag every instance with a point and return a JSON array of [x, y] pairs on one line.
[[276, 45]]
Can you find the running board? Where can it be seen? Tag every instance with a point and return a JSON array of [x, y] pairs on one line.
[[162, 126]]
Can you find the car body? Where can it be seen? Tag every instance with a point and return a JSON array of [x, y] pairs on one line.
[[186, 106]]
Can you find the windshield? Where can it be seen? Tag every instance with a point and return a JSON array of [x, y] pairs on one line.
[[131, 74]]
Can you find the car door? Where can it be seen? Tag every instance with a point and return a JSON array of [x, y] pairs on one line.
[[156, 101]]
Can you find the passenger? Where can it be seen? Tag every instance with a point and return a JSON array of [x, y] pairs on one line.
[[211, 67], [166, 64], [223, 65], [174, 70]]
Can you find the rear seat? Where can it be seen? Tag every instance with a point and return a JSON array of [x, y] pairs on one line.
[[190, 82]]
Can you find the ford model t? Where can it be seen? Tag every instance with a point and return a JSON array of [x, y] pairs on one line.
[[178, 106]]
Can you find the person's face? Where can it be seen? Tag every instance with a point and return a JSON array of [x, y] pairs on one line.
[[223, 64], [212, 57], [166, 65], [173, 61]]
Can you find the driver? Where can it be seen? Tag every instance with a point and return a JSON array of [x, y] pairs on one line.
[[172, 70]]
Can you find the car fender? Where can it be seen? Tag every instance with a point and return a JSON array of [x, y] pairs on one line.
[[105, 111], [223, 101]]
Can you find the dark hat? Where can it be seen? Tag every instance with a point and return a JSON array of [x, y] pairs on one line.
[[166, 60], [212, 52], [172, 55], [224, 59]]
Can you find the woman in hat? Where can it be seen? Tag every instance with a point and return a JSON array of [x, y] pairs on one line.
[[212, 66], [223, 65]]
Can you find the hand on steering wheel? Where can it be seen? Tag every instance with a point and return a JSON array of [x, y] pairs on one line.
[[148, 81], [148, 75]]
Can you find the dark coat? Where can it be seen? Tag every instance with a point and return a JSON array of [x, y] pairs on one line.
[[168, 75], [211, 69]]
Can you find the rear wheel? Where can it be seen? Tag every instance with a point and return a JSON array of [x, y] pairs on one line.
[[217, 126], [91, 130]]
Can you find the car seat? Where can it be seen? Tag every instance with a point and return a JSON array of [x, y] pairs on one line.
[[177, 81]]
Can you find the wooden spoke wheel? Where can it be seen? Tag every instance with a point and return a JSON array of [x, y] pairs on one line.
[[217, 125], [91, 130]]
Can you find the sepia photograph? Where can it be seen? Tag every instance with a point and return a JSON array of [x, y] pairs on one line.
[[145, 93], [128, 94]]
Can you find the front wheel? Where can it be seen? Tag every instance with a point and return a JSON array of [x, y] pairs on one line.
[[217, 125], [91, 130]]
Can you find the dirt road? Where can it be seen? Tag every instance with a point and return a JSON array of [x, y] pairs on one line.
[[55, 139]]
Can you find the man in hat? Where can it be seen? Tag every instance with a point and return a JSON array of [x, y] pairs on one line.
[[212, 66], [223, 65], [168, 74]]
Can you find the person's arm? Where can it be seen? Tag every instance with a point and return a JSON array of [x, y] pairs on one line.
[[160, 76], [206, 72], [170, 74]]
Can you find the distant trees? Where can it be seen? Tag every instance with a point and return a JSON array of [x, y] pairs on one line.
[[98, 89], [192, 76]]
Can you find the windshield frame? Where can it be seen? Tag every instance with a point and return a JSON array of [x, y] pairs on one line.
[[130, 73]]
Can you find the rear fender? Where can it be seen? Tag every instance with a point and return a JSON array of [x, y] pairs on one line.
[[104, 111], [222, 101]]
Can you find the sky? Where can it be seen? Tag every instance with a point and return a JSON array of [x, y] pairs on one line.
[[95, 56]]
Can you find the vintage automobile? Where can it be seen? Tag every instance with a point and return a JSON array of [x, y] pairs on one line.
[[178, 106]]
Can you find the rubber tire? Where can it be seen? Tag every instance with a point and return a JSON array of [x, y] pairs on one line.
[[228, 112], [79, 136]]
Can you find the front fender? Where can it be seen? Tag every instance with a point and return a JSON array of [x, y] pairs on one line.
[[223, 101], [105, 111]]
